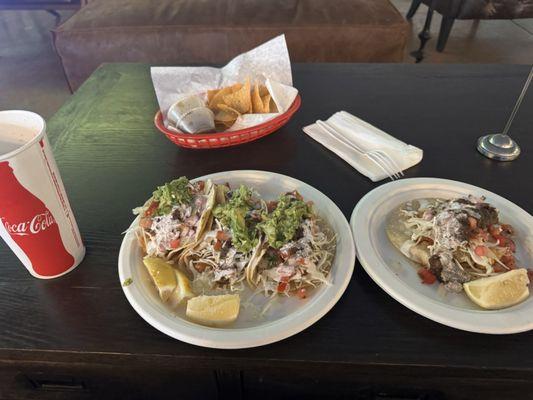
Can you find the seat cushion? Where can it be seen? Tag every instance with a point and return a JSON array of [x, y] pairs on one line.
[[193, 32]]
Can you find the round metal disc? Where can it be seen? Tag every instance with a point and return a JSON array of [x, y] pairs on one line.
[[498, 147]]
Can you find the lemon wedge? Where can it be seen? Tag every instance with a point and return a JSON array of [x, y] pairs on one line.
[[183, 289], [499, 291], [163, 276], [214, 310]]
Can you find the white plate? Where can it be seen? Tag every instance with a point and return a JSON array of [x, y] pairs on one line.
[[398, 276], [287, 317]]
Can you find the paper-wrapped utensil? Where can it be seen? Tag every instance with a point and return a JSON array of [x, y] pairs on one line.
[[353, 139]]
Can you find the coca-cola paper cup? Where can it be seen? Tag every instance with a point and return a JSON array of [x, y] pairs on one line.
[[36, 220]]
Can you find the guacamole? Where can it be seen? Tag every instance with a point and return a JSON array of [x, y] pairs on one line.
[[281, 224], [235, 214], [171, 194]]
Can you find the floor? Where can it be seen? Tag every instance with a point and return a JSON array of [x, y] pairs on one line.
[[31, 76]]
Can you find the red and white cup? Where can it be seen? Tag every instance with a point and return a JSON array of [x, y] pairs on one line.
[[36, 220]]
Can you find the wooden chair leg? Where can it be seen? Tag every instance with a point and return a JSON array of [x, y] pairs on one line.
[[445, 29], [414, 7], [424, 35]]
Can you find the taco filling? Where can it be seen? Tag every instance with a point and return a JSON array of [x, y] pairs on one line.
[[297, 249], [231, 240], [456, 240], [174, 217]]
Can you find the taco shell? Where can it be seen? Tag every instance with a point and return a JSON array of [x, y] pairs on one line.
[[400, 235]]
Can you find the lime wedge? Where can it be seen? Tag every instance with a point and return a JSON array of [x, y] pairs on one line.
[[499, 291]]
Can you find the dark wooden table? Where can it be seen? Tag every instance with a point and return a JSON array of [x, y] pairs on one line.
[[77, 336]]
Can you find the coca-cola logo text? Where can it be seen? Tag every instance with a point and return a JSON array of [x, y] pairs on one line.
[[39, 223]]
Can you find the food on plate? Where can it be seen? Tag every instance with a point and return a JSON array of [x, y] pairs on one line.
[[459, 242], [229, 102], [203, 243], [231, 240], [174, 217], [183, 289], [499, 291], [216, 310], [297, 249], [173, 286]]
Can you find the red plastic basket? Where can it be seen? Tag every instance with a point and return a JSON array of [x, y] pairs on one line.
[[225, 139]]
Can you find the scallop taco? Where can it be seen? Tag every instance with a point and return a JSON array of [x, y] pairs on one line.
[[174, 218], [297, 249], [456, 241], [230, 242]]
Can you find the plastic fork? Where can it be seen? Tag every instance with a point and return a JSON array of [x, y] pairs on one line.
[[352, 119], [376, 159]]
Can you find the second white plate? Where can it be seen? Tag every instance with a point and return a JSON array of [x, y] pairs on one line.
[[398, 276]]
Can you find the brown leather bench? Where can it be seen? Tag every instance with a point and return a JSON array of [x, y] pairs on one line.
[[189, 32]]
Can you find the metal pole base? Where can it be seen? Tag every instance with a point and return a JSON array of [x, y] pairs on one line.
[[498, 147]]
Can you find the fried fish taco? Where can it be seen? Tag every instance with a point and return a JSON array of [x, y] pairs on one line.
[[174, 218], [231, 240], [297, 250], [456, 241]]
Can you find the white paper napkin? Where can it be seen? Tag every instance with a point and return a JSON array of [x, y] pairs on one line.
[[267, 64], [365, 137]]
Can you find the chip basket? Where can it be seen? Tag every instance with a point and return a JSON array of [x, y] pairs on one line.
[[226, 139]]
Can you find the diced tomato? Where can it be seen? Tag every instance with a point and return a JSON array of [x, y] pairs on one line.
[[151, 209], [200, 267], [505, 242], [508, 260], [222, 235], [174, 244], [480, 251], [302, 293], [499, 268], [282, 285], [472, 222], [145, 223], [300, 261], [427, 276], [218, 245], [200, 185]]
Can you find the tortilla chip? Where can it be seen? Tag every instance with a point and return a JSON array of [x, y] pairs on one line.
[[263, 91], [240, 99], [218, 98], [211, 94], [226, 116], [227, 110], [266, 103], [273, 108], [257, 102]]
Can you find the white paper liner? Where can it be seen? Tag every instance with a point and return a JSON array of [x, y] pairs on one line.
[[267, 64]]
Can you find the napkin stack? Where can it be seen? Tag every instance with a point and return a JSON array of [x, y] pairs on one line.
[[353, 140]]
